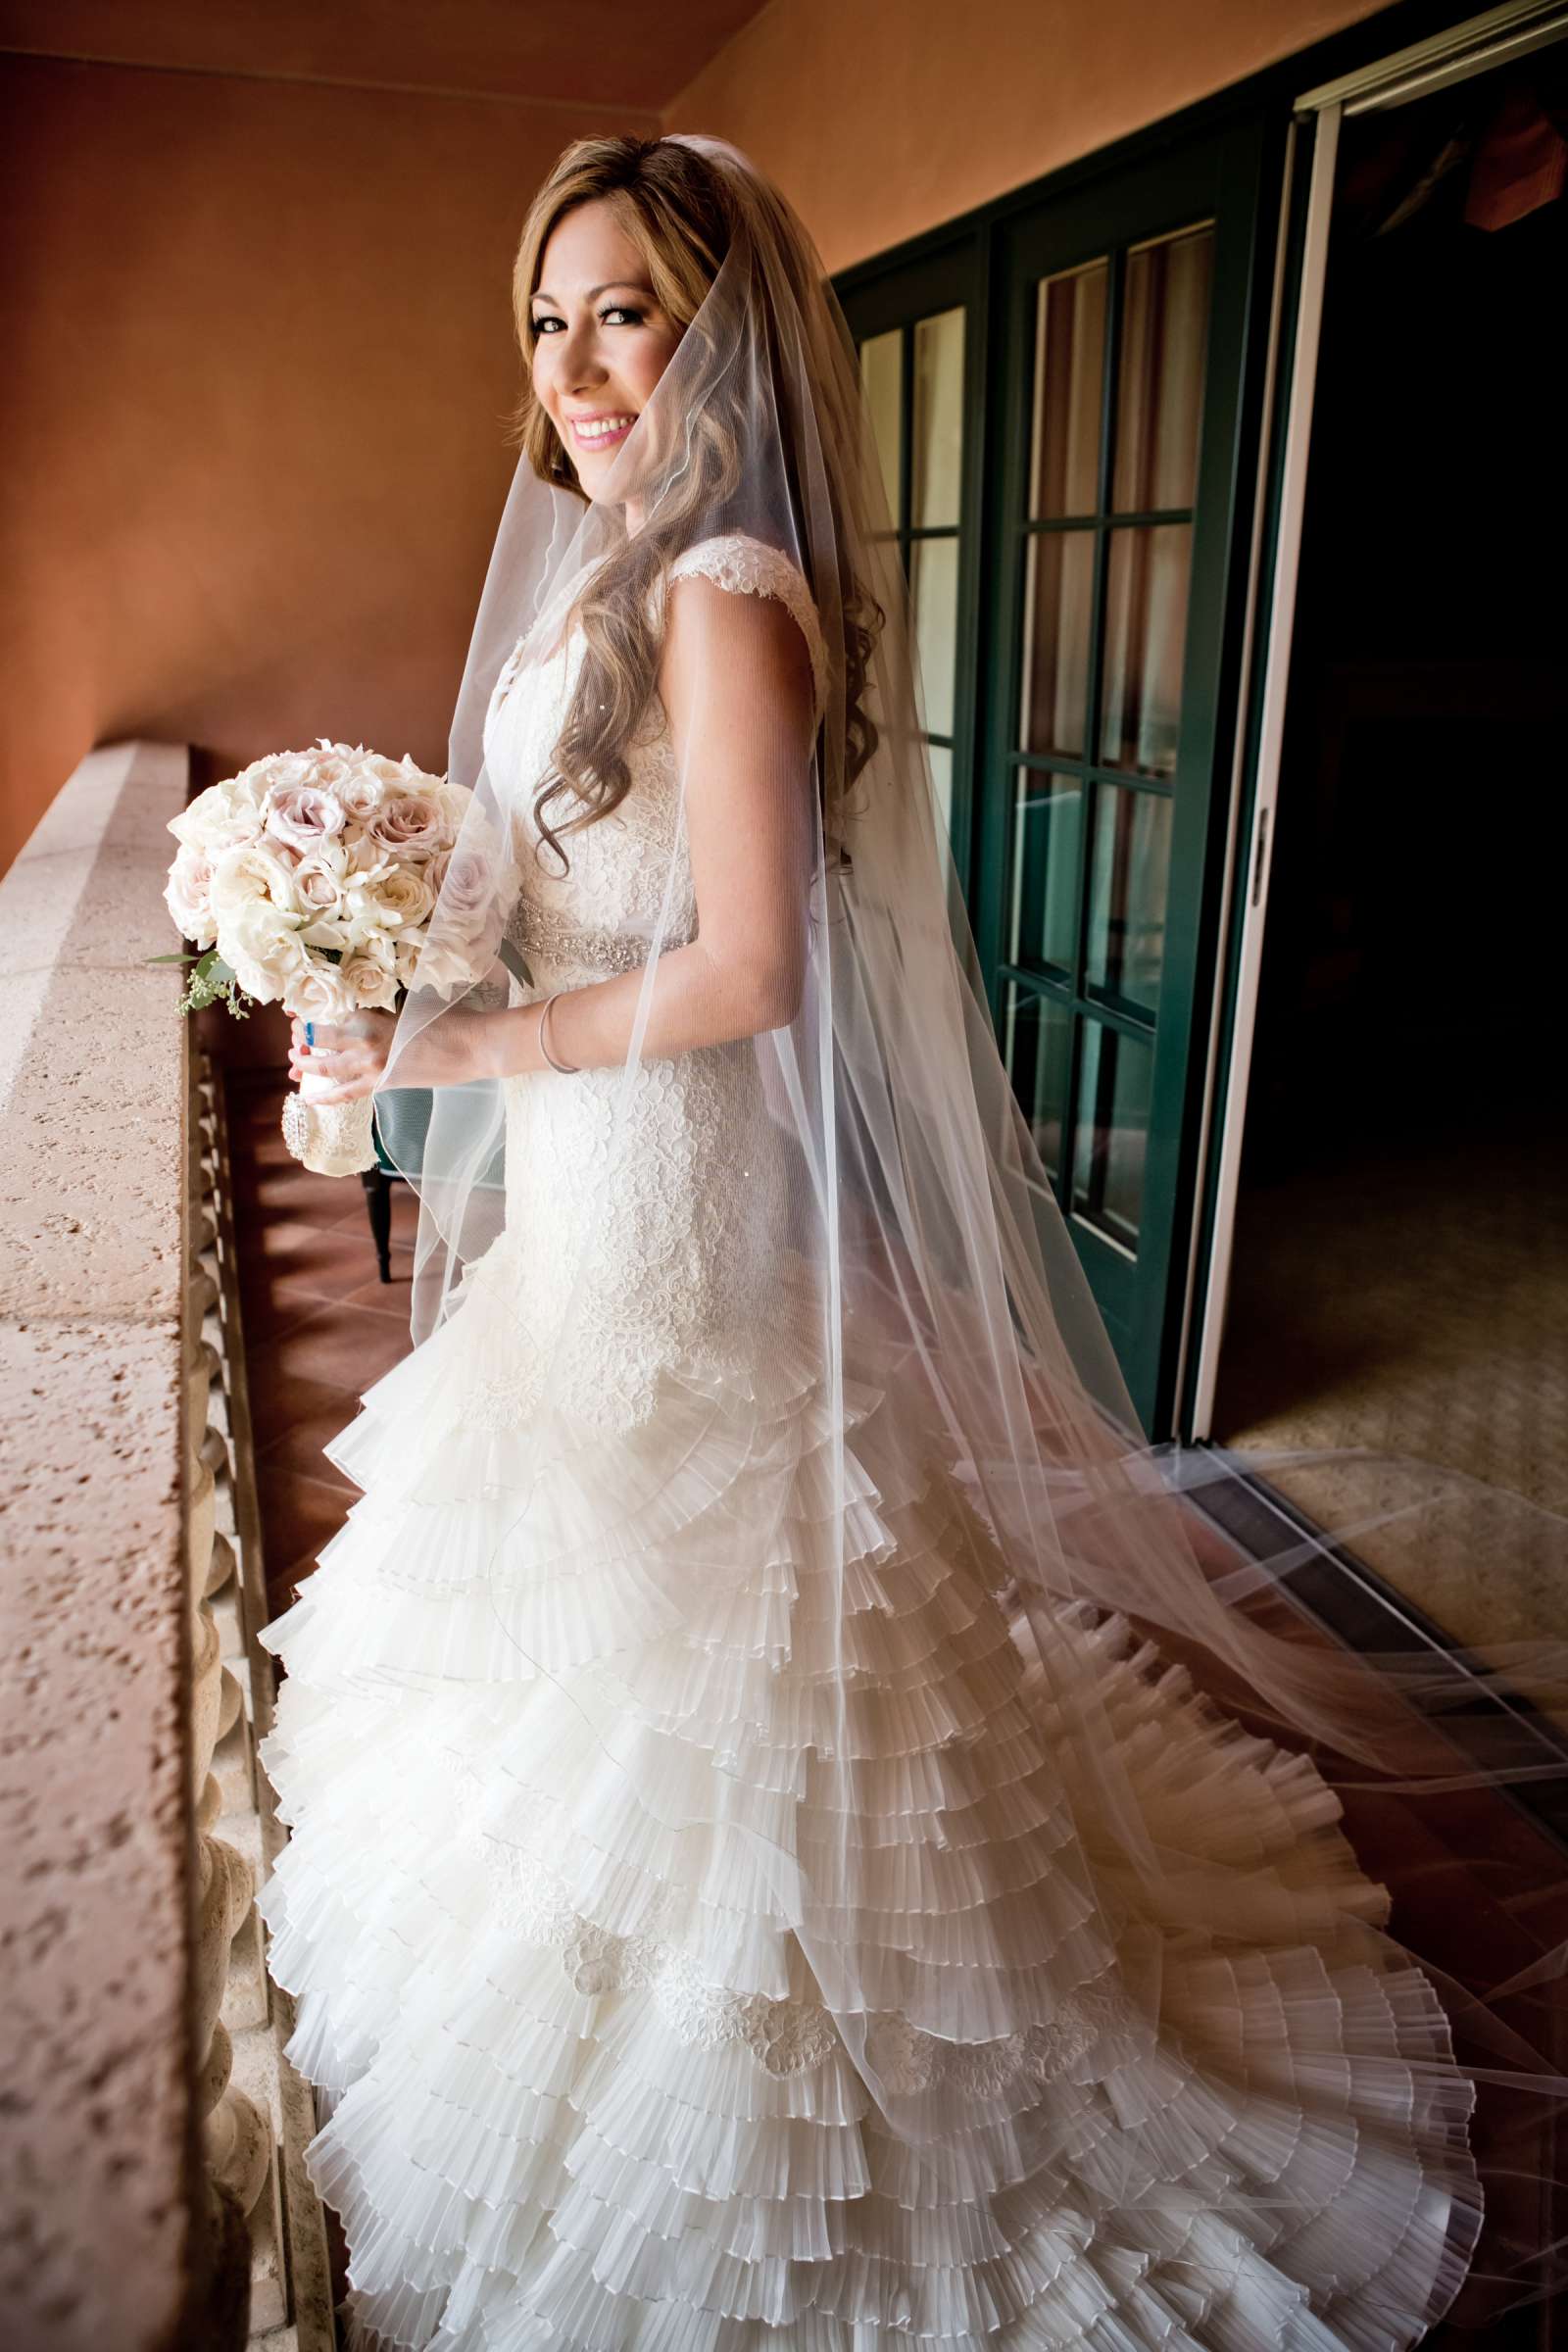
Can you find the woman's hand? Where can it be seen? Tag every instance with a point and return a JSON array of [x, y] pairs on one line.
[[351, 1053]]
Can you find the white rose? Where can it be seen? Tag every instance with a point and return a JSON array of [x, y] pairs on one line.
[[445, 963], [319, 876], [331, 762], [217, 818], [263, 950], [361, 794], [249, 872], [398, 896], [379, 948], [330, 931], [187, 895], [278, 768], [361, 912], [315, 992], [368, 856], [369, 979]]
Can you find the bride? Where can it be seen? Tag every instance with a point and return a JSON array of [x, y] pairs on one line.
[[756, 1878]]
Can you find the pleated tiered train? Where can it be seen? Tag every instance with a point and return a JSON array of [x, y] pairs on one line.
[[580, 2090]]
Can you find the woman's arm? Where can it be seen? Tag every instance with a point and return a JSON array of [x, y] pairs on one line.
[[735, 678], [736, 681]]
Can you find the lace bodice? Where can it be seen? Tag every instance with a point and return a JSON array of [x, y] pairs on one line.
[[615, 1272], [619, 863]]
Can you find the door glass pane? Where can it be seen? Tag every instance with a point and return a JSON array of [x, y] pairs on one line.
[[1127, 888], [1047, 825], [1160, 387], [881, 366], [1069, 384], [1036, 1046], [1058, 608], [1110, 1145], [1145, 637], [941, 758], [934, 590], [938, 454]]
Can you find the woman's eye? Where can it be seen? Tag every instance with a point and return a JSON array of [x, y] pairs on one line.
[[612, 310]]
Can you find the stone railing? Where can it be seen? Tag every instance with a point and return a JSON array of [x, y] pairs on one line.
[[152, 2191]]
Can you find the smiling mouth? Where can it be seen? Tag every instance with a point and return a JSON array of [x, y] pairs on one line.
[[599, 432]]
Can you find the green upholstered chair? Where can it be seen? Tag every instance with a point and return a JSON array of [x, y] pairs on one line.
[[413, 1126], [378, 1182]]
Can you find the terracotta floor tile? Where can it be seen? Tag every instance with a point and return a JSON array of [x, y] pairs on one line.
[[318, 1272], [348, 1348], [392, 1298], [258, 1118], [310, 1199], [281, 1395], [299, 1517], [297, 1449], [269, 1309], [321, 1258], [260, 1125], [404, 1207], [265, 1149]]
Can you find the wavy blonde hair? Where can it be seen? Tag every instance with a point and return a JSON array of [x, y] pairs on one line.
[[681, 212]]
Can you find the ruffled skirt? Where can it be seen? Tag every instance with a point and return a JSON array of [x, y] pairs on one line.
[[557, 1696]]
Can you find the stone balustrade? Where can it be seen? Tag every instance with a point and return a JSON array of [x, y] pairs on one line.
[[152, 2191]]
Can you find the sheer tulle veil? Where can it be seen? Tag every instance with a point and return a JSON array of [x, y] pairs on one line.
[[903, 1232]]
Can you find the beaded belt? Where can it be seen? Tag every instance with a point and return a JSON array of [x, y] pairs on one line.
[[546, 937]]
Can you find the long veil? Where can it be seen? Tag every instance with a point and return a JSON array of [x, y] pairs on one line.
[[958, 1426]]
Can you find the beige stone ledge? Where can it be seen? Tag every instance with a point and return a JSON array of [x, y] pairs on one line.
[[92, 1059], [109, 2230]]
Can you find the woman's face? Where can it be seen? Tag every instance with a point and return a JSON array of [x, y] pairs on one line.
[[601, 341]]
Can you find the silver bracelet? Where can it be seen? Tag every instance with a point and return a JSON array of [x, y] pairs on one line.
[[568, 1069]]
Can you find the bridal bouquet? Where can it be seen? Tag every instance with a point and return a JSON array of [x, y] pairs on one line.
[[310, 879]]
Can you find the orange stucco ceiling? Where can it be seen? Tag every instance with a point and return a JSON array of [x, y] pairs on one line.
[[621, 54]]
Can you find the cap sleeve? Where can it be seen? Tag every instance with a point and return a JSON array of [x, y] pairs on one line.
[[737, 562]]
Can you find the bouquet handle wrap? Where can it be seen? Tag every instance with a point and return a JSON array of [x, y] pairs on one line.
[[332, 1139]]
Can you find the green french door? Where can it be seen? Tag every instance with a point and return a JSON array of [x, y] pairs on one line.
[[922, 364], [1083, 580]]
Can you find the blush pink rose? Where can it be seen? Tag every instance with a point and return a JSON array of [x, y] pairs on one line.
[[409, 823], [468, 887], [298, 814]]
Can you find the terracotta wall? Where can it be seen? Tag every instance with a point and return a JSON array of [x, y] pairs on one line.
[[881, 118], [258, 355]]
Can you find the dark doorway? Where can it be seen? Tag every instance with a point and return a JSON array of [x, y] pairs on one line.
[[1400, 1274]]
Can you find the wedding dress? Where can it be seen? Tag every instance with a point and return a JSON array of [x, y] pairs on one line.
[[580, 2088]]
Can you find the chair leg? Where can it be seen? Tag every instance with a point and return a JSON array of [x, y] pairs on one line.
[[379, 1200]]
